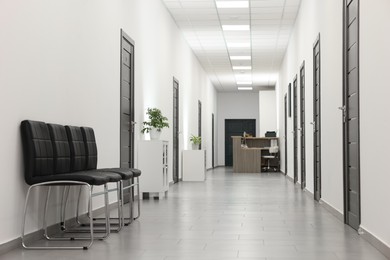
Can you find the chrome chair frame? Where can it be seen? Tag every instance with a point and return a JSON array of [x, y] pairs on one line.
[[49, 184]]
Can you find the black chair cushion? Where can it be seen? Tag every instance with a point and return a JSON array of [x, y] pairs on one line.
[[136, 172], [90, 147], [37, 150], [90, 177], [41, 164], [126, 174], [61, 148], [78, 154]]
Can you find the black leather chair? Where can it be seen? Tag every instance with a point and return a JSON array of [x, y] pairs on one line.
[[44, 167], [79, 162], [126, 173]]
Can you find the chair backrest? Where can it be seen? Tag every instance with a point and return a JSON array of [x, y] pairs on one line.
[[61, 148], [37, 150], [78, 155], [90, 147], [274, 149]]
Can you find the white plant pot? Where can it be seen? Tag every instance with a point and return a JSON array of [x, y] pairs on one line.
[[154, 134], [195, 146]]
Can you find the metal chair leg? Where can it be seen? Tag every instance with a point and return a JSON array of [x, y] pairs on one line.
[[119, 218], [138, 200], [45, 213], [76, 230]]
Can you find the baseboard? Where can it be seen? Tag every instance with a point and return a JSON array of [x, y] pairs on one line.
[[332, 210], [290, 178], [366, 235], [36, 235], [308, 193], [375, 242]]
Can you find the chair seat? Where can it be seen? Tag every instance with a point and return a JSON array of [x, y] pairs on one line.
[[136, 172], [92, 178], [124, 173], [112, 176]]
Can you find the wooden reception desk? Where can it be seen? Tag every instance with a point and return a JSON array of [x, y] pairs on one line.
[[248, 158]]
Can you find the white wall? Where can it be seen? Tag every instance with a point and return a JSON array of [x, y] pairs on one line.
[[242, 105], [374, 124], [325, 17], [60, 63], [313, 18], [267, 111]]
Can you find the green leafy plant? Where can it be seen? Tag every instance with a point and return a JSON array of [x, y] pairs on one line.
[[156, 120], [196, 139]]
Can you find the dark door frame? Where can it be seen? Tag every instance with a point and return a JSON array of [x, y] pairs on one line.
[[295, 125], [212, 140], [351, 218], [127, 38], [126, 110], [303, 128], [285, 133], [200, 123], [229, 139], [175, 126], [317, 121]]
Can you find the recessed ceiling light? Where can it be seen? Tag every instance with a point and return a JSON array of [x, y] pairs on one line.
[[242, 67], [244, 82], [238, 44], [240, 57], [245, 88], [235, 27], [232, 4]]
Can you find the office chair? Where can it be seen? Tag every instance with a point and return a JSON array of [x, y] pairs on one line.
[[273, 152]]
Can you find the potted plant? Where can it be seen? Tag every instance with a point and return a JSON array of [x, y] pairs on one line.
[[196, 141], [156, 122]]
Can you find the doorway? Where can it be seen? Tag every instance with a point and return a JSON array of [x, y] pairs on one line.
[[317, 118], [236, 127], [175, 126], [295, 123], [285, 133], [126, 105], [127, 102], [303, 129], [351, 117], [212, 140], [200, 123]]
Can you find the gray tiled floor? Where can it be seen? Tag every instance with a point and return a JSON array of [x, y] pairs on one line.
[[230, 216]]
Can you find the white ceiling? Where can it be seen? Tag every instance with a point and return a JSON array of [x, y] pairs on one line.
[[270, 21]]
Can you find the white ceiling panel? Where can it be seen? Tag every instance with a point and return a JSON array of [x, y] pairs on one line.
[[270, 22]]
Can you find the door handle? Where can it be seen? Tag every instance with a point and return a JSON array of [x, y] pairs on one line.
[[314, 125], [132, 126], [343, 109]]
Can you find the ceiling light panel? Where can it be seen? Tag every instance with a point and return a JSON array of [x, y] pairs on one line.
[[242, 67], [232, 4], [240, 57], [244, 88]]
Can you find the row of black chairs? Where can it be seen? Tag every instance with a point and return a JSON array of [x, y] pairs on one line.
[[66, 156]]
